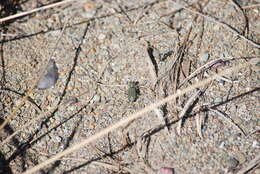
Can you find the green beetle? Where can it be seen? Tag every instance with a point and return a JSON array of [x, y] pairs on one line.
[[133, 91]]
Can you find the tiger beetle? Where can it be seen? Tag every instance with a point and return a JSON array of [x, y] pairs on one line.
[[133, 91]]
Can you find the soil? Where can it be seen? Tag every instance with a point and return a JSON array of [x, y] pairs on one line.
[[100, 47]]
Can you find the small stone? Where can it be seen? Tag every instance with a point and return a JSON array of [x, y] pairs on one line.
[[232, 163], [257, 171], [57, 139], [222, 144], [52, 120], [95, 99], [217, 100], [221, 82], [255, 144], [101, 37], [92, 126], [90, 9], [92, 51], [89, 6], [204, 57], [132, 94], [116, 68], [165, 170]]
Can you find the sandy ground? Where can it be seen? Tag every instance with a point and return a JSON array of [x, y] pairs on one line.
[[106, 45]]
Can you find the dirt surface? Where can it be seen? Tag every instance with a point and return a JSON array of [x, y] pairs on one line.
[[100, 48]]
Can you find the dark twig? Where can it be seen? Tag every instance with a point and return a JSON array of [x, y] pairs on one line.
[[228, 119], [246, 27]]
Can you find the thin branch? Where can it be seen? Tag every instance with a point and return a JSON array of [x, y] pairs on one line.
[[228, 119], [251, 6], [200, 69], [188, 104], [151, 64], [252, 133], [246, 27], [199, 119]]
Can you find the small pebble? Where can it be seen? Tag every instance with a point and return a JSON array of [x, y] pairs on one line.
[[57, 139], [115, 67], [257, 171], [88, 6], [90, 9], [232, 163], [222, 145], [204, 57], [95, 99], [221, 82], [255, 144], [217, 100], [101, 37], [165, 170]]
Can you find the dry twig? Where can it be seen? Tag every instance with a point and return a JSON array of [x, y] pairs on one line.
[[151, 66], [201, 69], [246, 27], [153, 73], [228, 119], [199, 120], [188, 104], [251, 6]]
